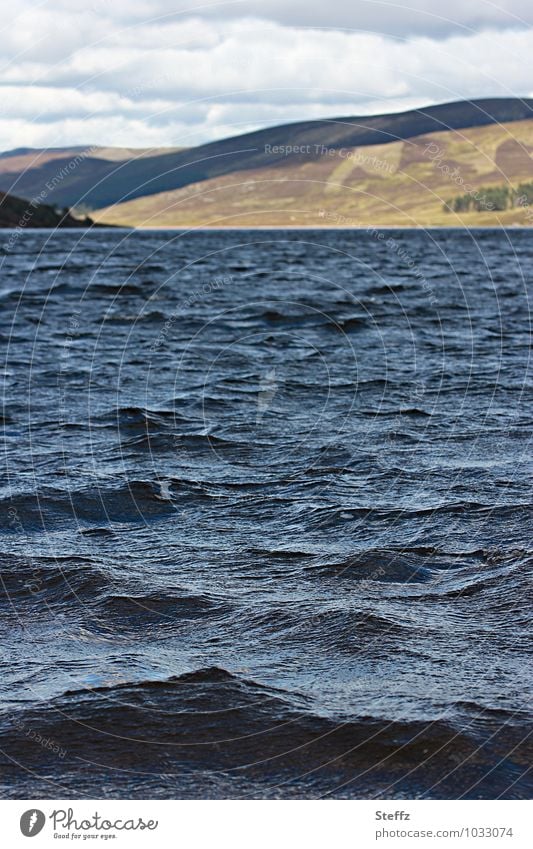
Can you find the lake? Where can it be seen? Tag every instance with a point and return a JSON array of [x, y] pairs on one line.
[[266, 514]]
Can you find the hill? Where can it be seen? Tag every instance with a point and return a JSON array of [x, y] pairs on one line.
[[415, 182], [65, 172], [93, 178], [16, 212]]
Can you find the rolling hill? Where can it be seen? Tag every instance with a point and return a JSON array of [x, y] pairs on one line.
[[395, 169], [404, 183], [66, 173]]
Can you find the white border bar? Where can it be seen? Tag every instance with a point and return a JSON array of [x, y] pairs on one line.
[[316, 824]]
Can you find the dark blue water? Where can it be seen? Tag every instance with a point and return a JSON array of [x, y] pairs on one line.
[[266, 514]]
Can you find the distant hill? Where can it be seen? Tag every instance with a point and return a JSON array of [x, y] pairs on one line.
[[16, 212], [94, 178], [65, 172], [416, 182]]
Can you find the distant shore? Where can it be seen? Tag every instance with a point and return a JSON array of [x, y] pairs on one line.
[[265, 227]]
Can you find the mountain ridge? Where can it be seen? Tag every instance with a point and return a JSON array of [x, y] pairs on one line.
[[97, 182]]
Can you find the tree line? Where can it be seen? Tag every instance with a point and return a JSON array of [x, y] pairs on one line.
[[492, 199]]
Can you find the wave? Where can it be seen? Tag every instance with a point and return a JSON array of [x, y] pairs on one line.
[[209, 721], [416, 412], [133, 501], [333, 516], [168, 610], [50, 580], [142, 419]]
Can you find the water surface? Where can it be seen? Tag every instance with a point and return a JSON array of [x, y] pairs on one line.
[[266, 514]]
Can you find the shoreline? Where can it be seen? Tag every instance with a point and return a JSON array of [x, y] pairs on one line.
[[200, 228]]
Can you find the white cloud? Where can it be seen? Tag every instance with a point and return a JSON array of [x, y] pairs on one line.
[[130, 73]]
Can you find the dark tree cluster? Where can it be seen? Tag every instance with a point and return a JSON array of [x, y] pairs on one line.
[[492, 199]]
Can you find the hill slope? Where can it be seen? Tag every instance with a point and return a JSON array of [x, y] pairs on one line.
[[65, 172], [16, 212], [95, 181], [402, 183]]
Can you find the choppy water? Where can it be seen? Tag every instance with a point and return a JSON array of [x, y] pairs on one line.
[[266, 514]]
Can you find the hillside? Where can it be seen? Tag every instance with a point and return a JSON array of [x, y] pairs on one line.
[[65, 172], [94, 178], [16, 212], [402, 183]]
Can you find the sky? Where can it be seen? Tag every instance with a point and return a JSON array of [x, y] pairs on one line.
[[151, 73]]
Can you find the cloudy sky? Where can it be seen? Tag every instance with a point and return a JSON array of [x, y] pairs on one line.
[[180, 72]]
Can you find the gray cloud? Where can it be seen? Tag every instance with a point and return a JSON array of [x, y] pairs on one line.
[[413, 17], [132, 74]]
